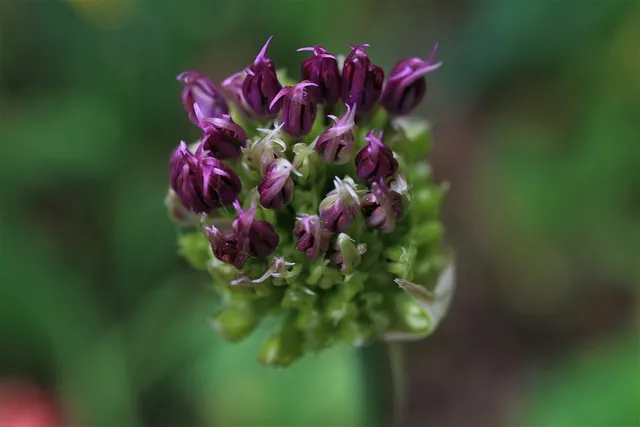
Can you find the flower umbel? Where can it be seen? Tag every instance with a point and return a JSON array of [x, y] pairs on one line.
[[335, 259]]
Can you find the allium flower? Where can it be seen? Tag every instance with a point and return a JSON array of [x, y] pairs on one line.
[[322, 69], [336, 144], [261, 84], [262, 151], [289, 255], [312, 239], [199, 90], [225, 246], [256, 238], [407, 86], [361, 80], [232, 89], [382, 207], [201, 182], [341, 206], [375, 160], [223, 138], [345, 254], [276, 188], [298, 108]]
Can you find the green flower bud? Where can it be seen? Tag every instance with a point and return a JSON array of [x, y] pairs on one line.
[[339, 308], [401, 261], [235, 323], [299, 298], [346, 254], [415, 133], [355, 334], [305, 159], [195, 248], [281, 349]]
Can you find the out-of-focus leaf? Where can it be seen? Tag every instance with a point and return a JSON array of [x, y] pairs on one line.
[[595, 388], [62, 135], [236, 391]]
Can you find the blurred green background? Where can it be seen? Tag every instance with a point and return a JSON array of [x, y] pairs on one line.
[[536, 117]]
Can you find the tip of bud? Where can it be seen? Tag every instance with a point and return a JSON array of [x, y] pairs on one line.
[[187, 77], [263, 51]]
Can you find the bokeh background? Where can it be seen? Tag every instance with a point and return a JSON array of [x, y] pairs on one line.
[[536, 117]]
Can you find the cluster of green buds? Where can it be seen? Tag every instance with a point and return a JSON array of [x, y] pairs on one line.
[[313, 203]]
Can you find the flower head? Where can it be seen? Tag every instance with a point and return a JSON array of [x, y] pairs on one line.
[[288, 254], [336, 144], [375, 160], [261, 84], [407, 85], [361, 80], [321, 68], [298, 108], [199, 90]]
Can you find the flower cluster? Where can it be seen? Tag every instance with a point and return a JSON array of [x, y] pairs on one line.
[[300, 197]]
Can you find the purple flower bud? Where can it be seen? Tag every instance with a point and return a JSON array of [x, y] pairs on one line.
[[340, 207], [186, 179], [220, 184], [298, 108], [201, 182], [361, 80], [375, 160], [199, 90], [261, 85], [322, 69], [336, 144], [225, 246], [232, 89], [407, 85], [256, 238], [382, 207], [276, 188], [312, 239], [223, 137]]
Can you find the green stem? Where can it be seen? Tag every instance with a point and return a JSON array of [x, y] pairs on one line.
[[384, 384], [398, 379]]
